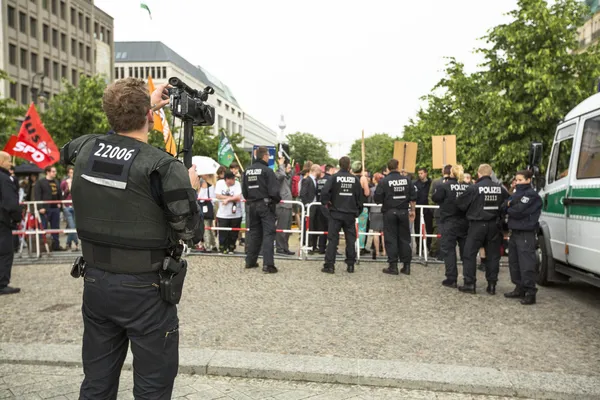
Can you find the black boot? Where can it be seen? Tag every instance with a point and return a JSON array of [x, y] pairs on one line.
[[350, 268], [328, 269], [406, 269], [518, 293], [392, 269], [468, 288], [451, 283], [255, 265], [481, 266], [491, 288], [529, 299], [269, 269]]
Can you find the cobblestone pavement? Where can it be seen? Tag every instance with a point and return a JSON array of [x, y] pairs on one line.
[[363, 315], [42, 382]]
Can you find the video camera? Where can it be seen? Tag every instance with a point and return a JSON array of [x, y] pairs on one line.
[[188, 104]]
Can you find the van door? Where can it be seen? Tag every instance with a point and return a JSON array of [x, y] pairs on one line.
[[583, 200], [557, 178]]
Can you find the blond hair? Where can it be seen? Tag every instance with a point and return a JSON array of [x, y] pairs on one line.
[[485, 170], [458, 172]]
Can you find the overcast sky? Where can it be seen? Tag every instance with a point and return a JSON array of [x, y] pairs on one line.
[[331, 67]]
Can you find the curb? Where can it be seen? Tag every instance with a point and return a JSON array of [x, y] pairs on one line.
[[387, 373]]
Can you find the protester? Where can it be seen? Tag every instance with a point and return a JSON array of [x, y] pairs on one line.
[[48, 189], [229, 214], [207, 191], [69, 212]]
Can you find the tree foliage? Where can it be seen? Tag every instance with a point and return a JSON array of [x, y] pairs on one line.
[[9, 112], [76, 110], [529, 80], [305, 147], [379, 149], [206, 143]]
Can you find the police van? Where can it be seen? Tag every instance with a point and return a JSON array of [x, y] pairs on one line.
[[569, 235]]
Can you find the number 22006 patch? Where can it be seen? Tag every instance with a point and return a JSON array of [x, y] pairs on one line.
[[109, 163]]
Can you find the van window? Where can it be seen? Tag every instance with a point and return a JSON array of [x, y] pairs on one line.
[[561, 158], [589, 154]]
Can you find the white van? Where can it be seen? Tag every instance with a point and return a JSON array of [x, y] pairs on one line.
[[569, 235]]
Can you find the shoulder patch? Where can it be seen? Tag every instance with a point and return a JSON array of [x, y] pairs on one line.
[[524, 199]]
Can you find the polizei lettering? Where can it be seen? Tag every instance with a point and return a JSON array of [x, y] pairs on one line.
[[346, 179], [457, 187], [257, 171], [490, 190], [398, 182]]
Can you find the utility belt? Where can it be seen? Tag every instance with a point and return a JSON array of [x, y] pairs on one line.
[[171, 270], [267, 201]]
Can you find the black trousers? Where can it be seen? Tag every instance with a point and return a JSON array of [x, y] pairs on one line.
[[262, 233], [428, 218], [347, 223], [321, 223], [455, 231], [6, 254], [227, 239], [313, 226], [488, 235], [118, 309], [396, 233], [522, 260]]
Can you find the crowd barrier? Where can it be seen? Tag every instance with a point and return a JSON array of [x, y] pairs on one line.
[[31, 231]]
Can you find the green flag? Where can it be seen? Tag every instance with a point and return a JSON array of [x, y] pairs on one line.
[[226, 154], [145, 7]]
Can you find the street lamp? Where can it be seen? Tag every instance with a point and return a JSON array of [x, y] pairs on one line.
[[282, 127]]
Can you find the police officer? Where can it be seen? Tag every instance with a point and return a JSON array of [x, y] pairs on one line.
[[133, 203], [396, 193], [456, 225], [482, 203], [10, 213], [344, 197], [322, 216], [261, 191], [524, 208]]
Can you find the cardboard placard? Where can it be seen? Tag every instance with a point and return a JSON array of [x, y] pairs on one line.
[[443, 150], [406, 154]]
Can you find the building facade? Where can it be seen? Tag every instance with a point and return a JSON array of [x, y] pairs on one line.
[[46, 41], [589, 33], [155, 59]]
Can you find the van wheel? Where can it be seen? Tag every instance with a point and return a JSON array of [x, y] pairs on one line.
[[542, 262]]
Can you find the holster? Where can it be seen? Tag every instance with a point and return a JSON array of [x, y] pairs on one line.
[[78, 269], [172, 275]]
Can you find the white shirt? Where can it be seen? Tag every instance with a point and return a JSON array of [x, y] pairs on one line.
[[225, 211]]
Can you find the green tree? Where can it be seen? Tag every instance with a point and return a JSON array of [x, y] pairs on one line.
[[530, 79], [76, 111], [9, 112], [305, 147], [379, 149]]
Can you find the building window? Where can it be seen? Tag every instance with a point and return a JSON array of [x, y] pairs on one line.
[[12, 54], [233, 110], [63, 71], [88, 54], [22, 22], [63, 11], [147, 72], [73, 16], [122, 72], [80, 17], [13, 91], [116, 73], [81, 54], [24, 58], [136, 72], [227, 107], [55, 72], [33, 27], [239, 114], [131, 72], [74, 47], [87, 24], [108, 36], [11, 16], [102, 33], [219, 102], [45, 4], [63, 42], [153, 72], [74, 77], [46, 67], [96, 30], [164, 71], [45, 33], [34, 62], [158, 72], [24, 94], [54, 10]]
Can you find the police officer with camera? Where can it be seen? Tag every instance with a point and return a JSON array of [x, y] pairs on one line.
[[261, 191], [397, 195], [482, 204], [133, 203], [343, 195]]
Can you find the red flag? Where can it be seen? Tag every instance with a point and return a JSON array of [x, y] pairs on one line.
[[23, 149], [33, 133]]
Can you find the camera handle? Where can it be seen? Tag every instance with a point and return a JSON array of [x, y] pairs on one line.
[[188, 141]]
